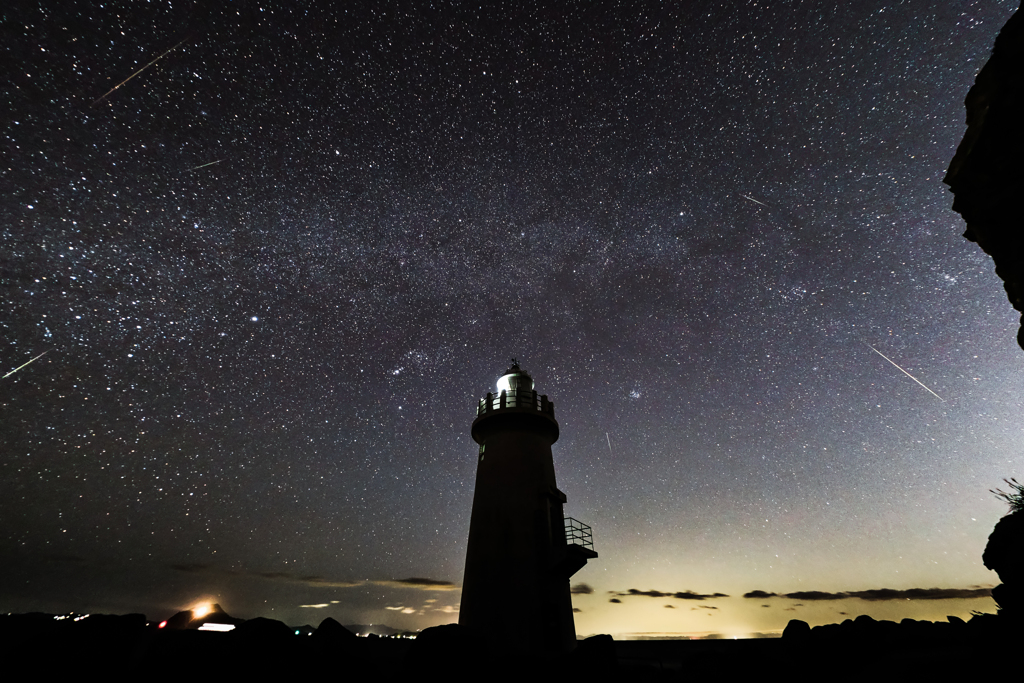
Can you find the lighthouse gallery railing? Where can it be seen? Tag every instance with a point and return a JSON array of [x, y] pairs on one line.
[[578, 533], [517, 398]]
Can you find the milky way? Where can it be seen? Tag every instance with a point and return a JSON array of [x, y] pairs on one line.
[[274, 271]]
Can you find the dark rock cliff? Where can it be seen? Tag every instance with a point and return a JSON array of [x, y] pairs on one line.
[[987, 174]]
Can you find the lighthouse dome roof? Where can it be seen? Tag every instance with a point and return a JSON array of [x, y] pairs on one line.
[[515, 378]]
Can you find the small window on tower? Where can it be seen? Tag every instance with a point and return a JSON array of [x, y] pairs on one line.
[[482, 447]]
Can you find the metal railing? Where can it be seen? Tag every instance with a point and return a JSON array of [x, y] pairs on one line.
[[517, 398], [578, 533]]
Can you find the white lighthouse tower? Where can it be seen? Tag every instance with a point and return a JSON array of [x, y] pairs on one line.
[[522, 550]]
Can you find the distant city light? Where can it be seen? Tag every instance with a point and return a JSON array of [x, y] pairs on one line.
[[222, 628]]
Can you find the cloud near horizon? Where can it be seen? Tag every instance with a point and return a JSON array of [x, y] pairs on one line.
[[872, 595], [402, 608], [679, 595], [315, 581], [212, 570], [420, 584], [881, 594], [447, 609]]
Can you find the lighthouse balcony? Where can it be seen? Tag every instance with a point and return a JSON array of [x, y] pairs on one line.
[[579, 548], [521, 399], [578, 533]]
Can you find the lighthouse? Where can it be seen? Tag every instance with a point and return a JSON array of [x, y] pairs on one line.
[[522, 550]]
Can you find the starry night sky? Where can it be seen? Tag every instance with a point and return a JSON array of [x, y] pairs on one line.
[[274, 271]]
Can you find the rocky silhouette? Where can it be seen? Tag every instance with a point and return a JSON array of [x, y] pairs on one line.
[[985, 173], [1004, 554], [263, 649]]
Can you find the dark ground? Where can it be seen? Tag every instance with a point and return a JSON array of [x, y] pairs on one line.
[[118, 647]]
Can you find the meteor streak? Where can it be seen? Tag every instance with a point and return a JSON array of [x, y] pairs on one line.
[[158, 58], [609, 444], [24, 364], [905, 372], [753, 200], [205, 165]]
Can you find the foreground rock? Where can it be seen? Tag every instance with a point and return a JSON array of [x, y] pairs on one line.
[[986, 175], [1004, 554], [265, 649]]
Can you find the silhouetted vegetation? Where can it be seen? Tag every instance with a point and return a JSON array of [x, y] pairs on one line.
[[1016, 499]]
